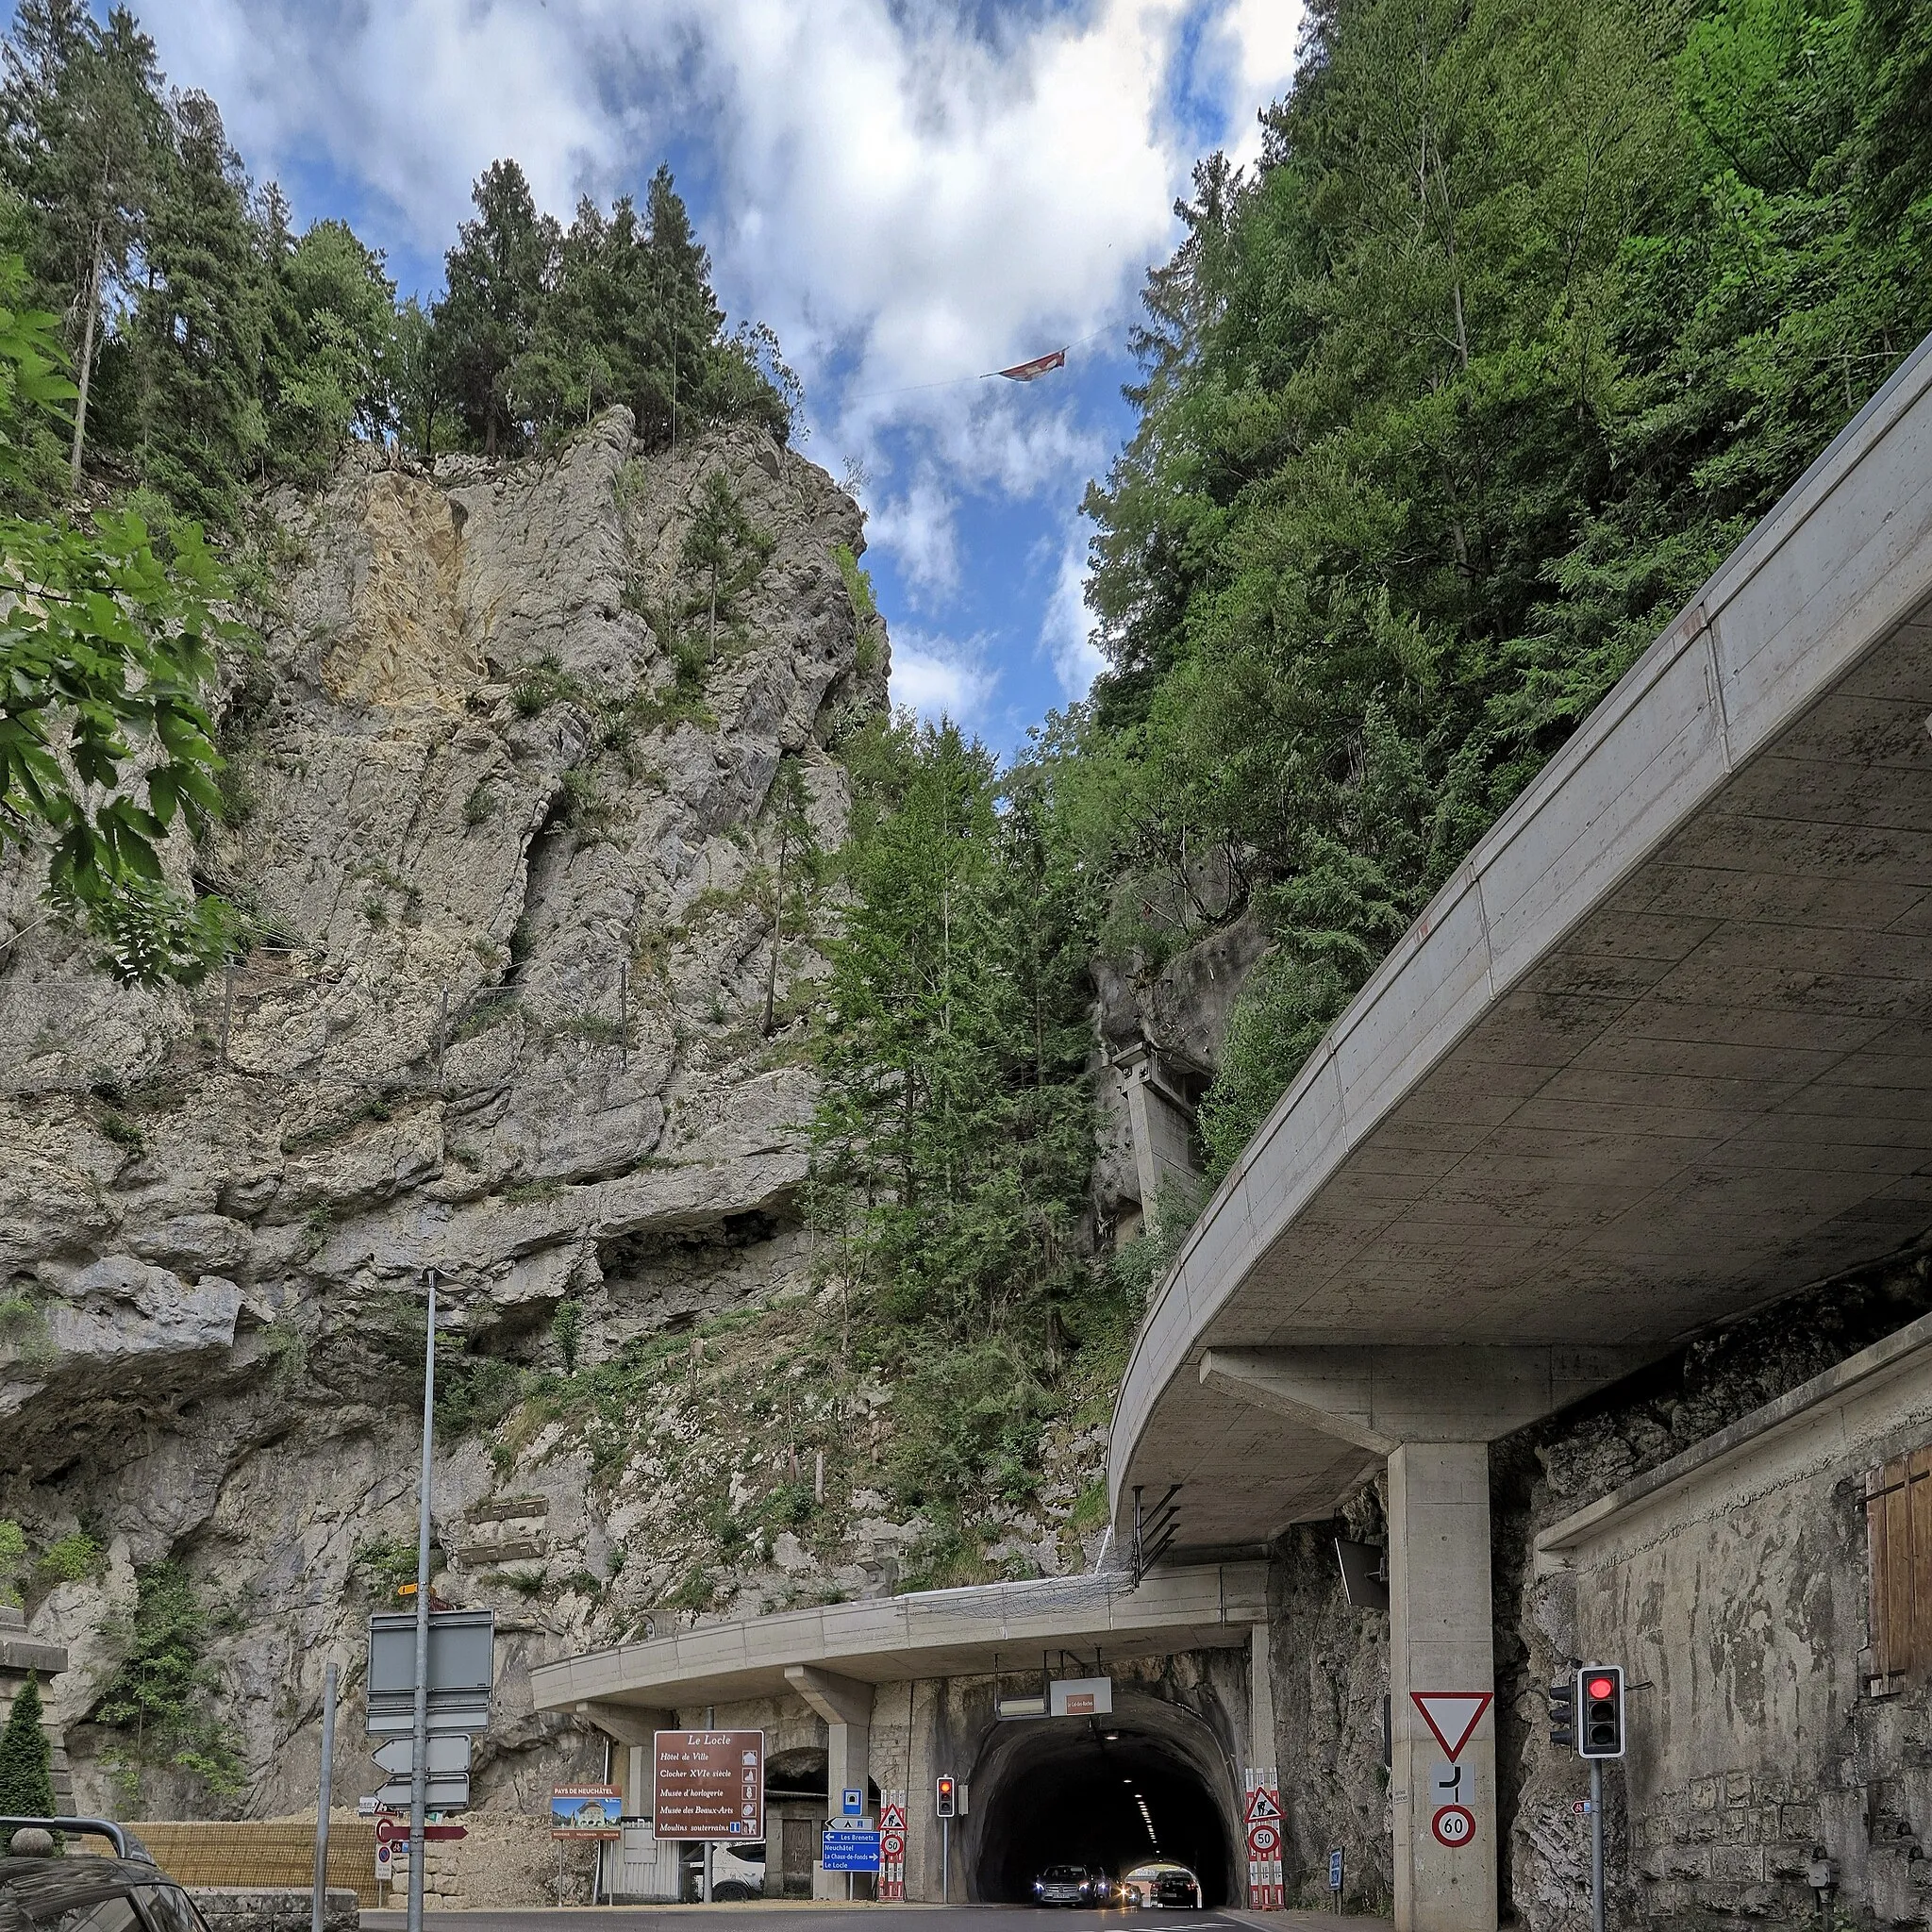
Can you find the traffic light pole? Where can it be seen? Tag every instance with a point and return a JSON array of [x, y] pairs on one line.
[[1596, 1845], [946, 1861]]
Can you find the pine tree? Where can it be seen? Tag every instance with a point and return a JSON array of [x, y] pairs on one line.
[[789, 807], [725, 549], [27, 1761], [329, 318], [86, 132], [498, 274], [199, 322]]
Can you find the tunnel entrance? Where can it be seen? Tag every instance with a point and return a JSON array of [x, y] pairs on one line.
[[1093, 1793]]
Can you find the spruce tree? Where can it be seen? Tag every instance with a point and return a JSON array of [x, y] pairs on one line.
[[27, 1761], [199, 325], [498, 273], [725, 550], [86, 129]]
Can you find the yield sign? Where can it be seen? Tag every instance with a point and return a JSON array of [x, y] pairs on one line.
[[1263, 1804], [1451, 1715]]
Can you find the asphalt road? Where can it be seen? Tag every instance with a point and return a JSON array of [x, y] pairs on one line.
[[818, 1918]]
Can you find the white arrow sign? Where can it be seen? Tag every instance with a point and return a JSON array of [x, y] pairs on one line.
[[449, 1755]]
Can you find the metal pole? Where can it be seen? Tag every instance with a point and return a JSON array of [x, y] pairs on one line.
[[419, 1731], [329, 1772], [710, 1725], [1596, 1845], [946, 1861]]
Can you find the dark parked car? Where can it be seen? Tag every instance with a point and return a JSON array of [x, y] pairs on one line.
[[119, 1895], [1165, 1885], [1067, 1885]]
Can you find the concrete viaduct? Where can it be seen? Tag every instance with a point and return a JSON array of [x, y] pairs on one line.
[[1660, 1052]]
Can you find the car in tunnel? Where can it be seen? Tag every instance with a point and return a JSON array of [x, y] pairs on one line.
[[1164, 1885], [1070, 1885]]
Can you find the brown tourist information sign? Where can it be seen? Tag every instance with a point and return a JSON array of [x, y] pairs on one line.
[[710, 1784]]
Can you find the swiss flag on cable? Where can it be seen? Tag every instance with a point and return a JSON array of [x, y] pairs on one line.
[[1027, 372]]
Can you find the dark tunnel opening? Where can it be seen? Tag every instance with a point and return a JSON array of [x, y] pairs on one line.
[[1095, 1795]]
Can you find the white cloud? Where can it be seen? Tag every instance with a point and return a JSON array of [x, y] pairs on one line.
[[1065, 632], [1263, 35], [410, 98], [939, 678], [918, 529], [906, 197]]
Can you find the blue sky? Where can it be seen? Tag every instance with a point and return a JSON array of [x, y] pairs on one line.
[[910, 191]]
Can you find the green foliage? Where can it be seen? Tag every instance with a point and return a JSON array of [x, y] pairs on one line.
[[954, 1134], [161, 1699], [480, 808], [857, 582], [12, 1555], [474, 1392], [103, 649], [725, 551], [217, 348], [542, 326], [69, 1559], [567, 1331], [385, 1563], [27, 1761], [1528, 312]]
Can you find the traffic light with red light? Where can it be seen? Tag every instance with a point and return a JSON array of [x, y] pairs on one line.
[[947, 1795], [1600, 1709]]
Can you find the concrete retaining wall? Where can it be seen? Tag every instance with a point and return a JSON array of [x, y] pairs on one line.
[[1737, 1599], [238, 1908]]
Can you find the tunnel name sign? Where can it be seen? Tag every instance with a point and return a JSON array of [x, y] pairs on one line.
[[709, 1784], [1080, 1697]]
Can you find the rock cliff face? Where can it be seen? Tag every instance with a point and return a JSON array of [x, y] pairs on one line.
[[515, 847]]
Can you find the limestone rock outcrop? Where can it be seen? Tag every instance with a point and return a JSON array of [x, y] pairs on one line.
[[507, 828]]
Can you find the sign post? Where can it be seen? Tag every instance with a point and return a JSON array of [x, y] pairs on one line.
[[1335, 1875], [593, 1812], [320, 1900], [1262, 1816], [892, 1846]]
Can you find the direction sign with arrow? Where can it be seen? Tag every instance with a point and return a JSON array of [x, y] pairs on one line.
[[449, 1755]]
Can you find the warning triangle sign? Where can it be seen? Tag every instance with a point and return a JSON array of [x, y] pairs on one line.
[[1451, 1715], [1263, 1804]]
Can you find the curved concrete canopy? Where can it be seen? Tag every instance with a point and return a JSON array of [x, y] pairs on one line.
[[1660, 1051], [940, 1633]]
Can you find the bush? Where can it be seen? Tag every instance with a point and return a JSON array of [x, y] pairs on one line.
[[161, 1699], [967, 1420], [68, 1561]]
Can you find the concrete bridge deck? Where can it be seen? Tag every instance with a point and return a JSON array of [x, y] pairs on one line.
[[1660, 1051], [942, 1633]]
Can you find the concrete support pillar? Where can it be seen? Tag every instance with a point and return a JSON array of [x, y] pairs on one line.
[[846, 1706], [1260, 1697], [1440, 1640], [1431, 1413]]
